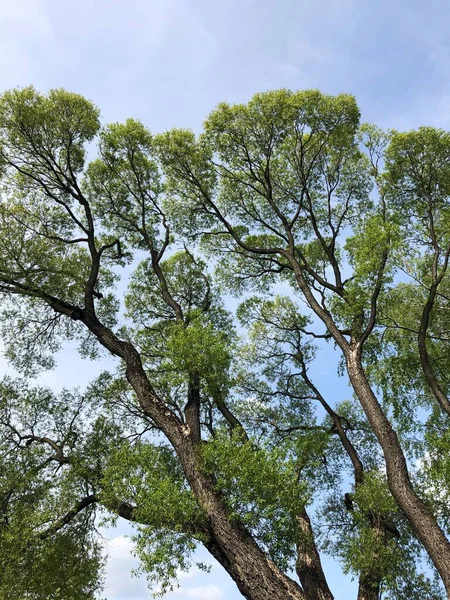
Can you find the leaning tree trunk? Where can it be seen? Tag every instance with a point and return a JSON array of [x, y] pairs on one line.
[[369, 588], [256, 576], [421, 519], [308, 565]]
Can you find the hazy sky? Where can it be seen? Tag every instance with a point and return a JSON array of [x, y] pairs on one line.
[[168, 62]]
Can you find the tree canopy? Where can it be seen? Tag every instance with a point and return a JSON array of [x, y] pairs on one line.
[[213, 430]]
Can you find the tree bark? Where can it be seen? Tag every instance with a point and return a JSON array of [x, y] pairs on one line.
[[192, 408], [308, 565], [256, 576], [421, 519], [369, 588], [423, 352], [255, 587]]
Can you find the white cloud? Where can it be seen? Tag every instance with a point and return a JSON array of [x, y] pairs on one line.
[[120, 547], [168, 17], [206, 592], [119, 583], [24, 25], [201, 592], [428, 109], [121, 586]]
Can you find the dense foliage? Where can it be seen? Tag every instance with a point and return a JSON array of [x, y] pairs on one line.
[[330, 238]]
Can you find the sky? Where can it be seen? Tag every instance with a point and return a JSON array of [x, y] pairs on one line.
[[169, 62]]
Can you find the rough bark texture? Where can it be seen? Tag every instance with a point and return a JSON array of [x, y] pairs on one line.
[[421, 519], [419, 516], [308, 565], [253, 584], [192, 408], [369, 588], [255, 575], [423, 353]]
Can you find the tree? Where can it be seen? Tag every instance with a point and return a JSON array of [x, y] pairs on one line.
[[209, 434]]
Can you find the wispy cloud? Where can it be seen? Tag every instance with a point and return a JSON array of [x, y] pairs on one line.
[[119, 583], [203, 592], [121, 586]]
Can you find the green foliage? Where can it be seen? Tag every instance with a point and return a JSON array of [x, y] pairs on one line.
[[47, 133], [192, 336], [418, 167], [164, 555], [64, 568], [284, 195], [125, 184], [262, 489], [150, 478], [65, 564], [200, 349], [365, 550], [186, 280]]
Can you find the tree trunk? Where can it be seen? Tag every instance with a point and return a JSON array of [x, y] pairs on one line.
[[369, 588], [256, 576], [423, 352], [255, 588], [308, 565], [421, 519]]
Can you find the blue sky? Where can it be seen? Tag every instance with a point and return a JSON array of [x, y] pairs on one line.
[[169, 62]]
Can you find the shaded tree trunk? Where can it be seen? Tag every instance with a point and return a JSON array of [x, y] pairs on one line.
[[256, 576], [308, 565], [423, 352], [369, 588], [250, 583], [420, 517]]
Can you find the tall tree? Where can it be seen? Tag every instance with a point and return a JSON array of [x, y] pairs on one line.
[[208, 434]]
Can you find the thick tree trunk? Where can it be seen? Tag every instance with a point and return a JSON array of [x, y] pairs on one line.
[[256, 576], [308, 564], [421, 519], [369, 588], [211, 543], [255, 588]]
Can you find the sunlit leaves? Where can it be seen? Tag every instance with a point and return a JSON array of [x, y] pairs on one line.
[[39, 435], [149, 477], [45, 136], [262, 489]]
